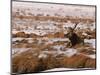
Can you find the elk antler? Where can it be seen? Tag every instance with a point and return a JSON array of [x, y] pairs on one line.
[[75, 26]]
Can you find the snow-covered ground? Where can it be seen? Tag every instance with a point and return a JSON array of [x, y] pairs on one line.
[[49, 40], [37, 27], [57, 49], [26, 8], [64, 69], [68, 52], [16, 51], [92, 42], [59, 69], [43, 46], [93, 56], [45, 27]]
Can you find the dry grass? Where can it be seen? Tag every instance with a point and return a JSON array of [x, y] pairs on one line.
[[76, 61], [27, 62], [57, 19], [50, 62], [26, 45], [90, 63], [24, 63], [21, 45], [21, 34], [86, 51]]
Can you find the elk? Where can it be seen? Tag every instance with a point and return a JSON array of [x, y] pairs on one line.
[[73, 37]]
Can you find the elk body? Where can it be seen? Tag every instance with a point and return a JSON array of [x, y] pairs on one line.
[[73, 37]]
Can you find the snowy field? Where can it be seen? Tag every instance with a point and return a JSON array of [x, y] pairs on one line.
[[38, 41]]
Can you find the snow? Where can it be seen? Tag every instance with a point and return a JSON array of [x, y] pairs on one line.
[[94, 50], [47, 40], [90, 41], [92, 26], [14, 31], [30, 40], [38, 27], [15, 39], [47, 26], [52, 40], [43, 28], [85, 34], [37, 32], [42, 55], [93, 56], [68, 52], [59, 39], [16, 51], [64, 69], [86, 26], [58, 47], [59, 69], [68, 24]]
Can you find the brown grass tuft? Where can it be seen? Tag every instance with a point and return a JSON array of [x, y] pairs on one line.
[[87, 51], [50, 62], [21, 34], [90, 63], [76, 61], [24, 63]]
